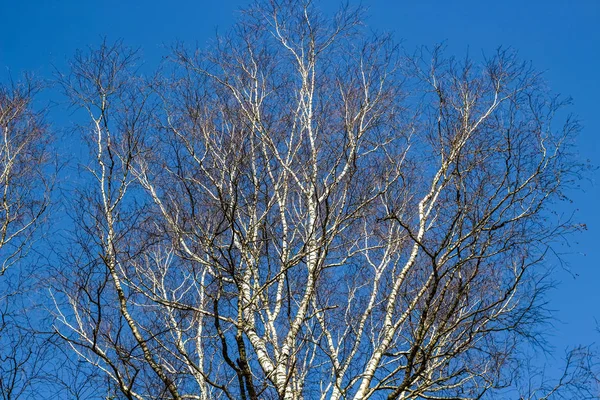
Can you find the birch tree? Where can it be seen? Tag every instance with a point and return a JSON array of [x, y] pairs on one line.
[[302, 211], [25, 182]]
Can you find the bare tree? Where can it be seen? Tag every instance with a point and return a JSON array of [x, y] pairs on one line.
[[304, 212], [24, 189], [101, 328], [23, 155]]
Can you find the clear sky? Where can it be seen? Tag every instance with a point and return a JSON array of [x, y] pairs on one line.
[[561, 37]]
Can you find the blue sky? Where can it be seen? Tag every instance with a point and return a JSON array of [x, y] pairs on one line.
[[559, 37]]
